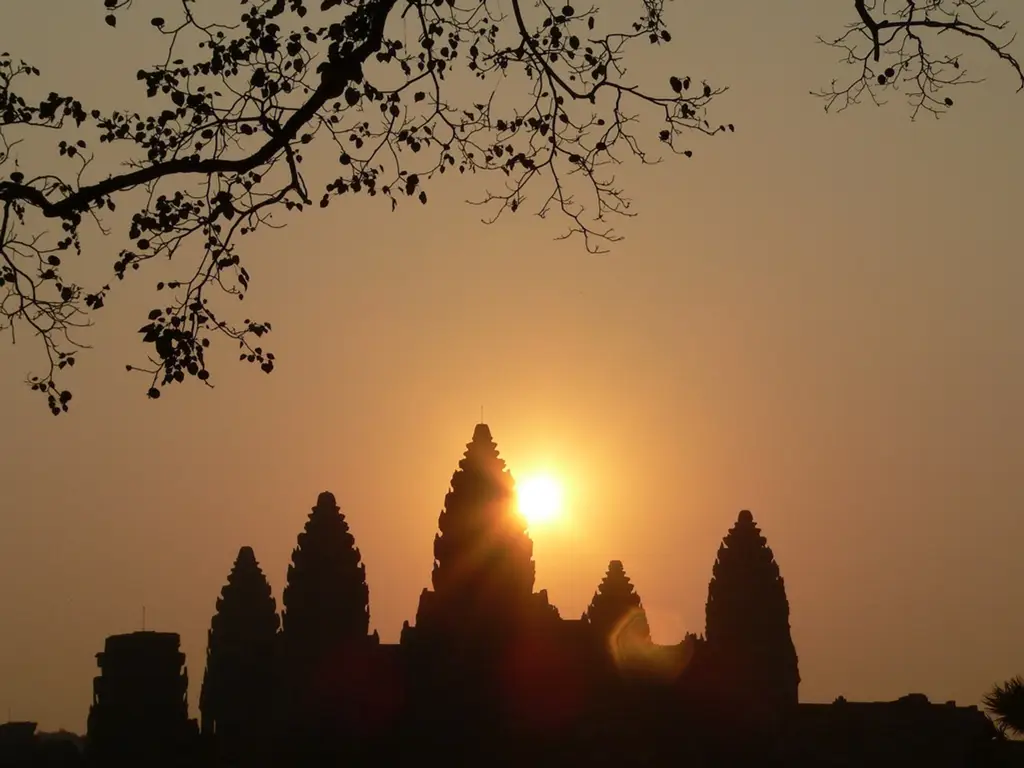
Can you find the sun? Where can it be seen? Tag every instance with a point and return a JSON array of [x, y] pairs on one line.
[[539, 498]]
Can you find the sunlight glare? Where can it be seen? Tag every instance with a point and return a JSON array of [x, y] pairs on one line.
[[540, 499]]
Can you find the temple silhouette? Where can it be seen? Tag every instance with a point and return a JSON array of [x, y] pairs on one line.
[[490, 674]]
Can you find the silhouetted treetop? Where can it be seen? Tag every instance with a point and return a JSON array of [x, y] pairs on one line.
[[238, 683], [402, 92], [483, 557], [614, 601], [326, 598], [1005, 702]]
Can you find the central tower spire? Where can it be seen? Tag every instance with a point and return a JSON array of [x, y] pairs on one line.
[[483, 558]]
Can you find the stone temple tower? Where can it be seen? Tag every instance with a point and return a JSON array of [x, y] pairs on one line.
[[139, 713]]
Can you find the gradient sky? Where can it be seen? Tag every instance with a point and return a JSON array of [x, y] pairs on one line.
[[817, 318]]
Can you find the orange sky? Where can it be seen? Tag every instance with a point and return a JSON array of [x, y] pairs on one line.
[[817, 318]]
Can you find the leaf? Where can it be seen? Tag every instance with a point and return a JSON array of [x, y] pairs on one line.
[[676, 84], [111, 20]]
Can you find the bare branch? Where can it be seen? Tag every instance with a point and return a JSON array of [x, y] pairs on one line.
[[223, 151], [897, 45], [544, 103]]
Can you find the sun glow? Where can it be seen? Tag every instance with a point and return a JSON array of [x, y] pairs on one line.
[[539, 499]]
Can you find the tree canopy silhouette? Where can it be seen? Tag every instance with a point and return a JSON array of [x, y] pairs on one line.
[[1006, 704], [747, 614], [235, 107], [237, 696]]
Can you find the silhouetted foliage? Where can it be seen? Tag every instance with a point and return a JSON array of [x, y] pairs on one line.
[[896, 47], [1005, 702], [21, 746], [747, 617], [483, 558], [236, 107], [616, 608], [238, 694]]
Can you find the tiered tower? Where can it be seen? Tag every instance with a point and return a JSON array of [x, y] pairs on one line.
[[325, 637], [747, 622], [483, 571], [238, 696], [139, 714], [617, 615]]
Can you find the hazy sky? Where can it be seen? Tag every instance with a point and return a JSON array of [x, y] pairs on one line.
[[817, 318]]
